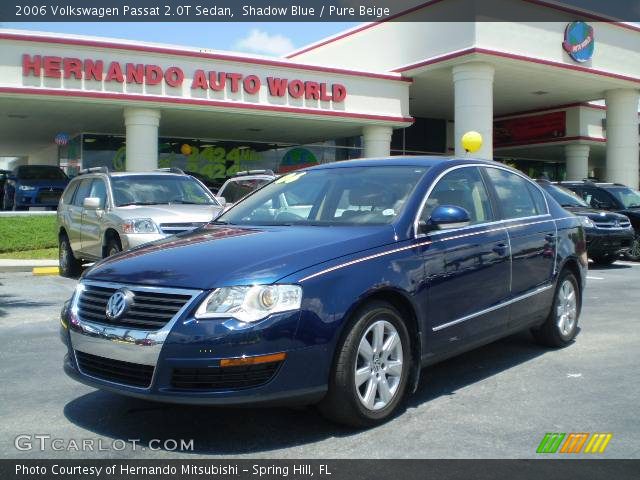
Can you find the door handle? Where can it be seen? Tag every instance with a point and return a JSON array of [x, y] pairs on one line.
[[500, 248]]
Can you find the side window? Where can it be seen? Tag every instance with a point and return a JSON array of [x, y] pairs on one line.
[[598, 198], [83, 192], [68, 194], [538, 199], [463, 188], [513, 194], [99, 190]]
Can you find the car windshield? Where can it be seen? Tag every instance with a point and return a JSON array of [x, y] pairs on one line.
[[629, 198], [564, 196], [330, 196], [237, 189], [40, 172], [158, 189]]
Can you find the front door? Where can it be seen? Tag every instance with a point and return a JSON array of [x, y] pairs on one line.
[[91, 220], [468, 269]]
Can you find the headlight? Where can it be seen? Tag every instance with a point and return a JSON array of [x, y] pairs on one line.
[[250, 304], [26, 188], [139, 225], [587, 222]]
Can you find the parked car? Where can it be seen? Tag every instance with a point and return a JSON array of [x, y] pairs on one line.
[[613, 197], [4, 174], [398, 264], [609, 234], [241, 185], [102, 213], [212, 184], [34, 186]]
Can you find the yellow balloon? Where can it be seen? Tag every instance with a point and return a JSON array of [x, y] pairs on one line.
[[472, 141], [185, 149]]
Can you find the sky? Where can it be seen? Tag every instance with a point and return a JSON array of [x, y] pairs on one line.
[[265, 38]]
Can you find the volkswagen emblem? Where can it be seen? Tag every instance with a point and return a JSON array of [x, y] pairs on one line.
[[119, 303]]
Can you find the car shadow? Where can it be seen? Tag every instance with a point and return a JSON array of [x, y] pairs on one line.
[[235, 431], [613, 266], [9, 302]]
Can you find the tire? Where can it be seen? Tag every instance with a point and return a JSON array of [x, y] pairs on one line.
[[113, 246], [70, 266], [561, 325], [382, 388], [605, 261], [633, 253]]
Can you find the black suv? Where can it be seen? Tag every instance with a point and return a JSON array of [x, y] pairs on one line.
[[613, 197], [609, 234]]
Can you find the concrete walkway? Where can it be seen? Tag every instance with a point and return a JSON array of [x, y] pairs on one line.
[[9, 265]]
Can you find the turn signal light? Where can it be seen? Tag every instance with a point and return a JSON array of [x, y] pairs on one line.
[[243, 361]]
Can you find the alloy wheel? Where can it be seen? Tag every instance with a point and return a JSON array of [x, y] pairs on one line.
[[379, 365], [566, 308]]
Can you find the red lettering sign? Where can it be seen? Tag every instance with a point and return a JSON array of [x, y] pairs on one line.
[[148, 74]]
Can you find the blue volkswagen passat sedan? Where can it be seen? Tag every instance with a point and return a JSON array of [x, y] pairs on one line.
[[332, 285]]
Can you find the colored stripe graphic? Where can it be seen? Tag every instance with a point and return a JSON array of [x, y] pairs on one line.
[[574, 443], [550, 443], [598, 443]]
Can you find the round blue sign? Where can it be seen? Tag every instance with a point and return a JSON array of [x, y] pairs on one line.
[[579, 41]]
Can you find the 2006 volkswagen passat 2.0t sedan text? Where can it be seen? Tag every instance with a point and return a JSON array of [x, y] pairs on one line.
[[332, 285]]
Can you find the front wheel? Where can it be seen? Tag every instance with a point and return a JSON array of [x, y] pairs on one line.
[[561, 325], [113, 246], [633, 253], [369, 377]]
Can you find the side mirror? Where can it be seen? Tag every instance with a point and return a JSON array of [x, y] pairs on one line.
[[222, 201], [91, 203], [445, 217]]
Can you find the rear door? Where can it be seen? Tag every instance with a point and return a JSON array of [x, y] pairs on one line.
[[468, 269], [532, 237]]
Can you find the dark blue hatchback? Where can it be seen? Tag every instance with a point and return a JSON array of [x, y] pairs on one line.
[[332, 285]]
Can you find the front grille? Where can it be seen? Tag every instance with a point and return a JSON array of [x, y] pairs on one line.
[[49, 195], [149, 310], [117, 371], [227, 378], [610, 225], [175, 228]]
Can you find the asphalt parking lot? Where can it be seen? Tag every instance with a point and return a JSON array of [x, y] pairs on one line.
[[495, 402]]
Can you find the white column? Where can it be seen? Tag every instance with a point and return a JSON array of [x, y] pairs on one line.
[[377, 141], [622, 136], [473, 83], [142, 138], [577, 158]]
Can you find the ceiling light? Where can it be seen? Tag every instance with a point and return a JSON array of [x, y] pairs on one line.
[[16, 115], [539, 92], [254, 129]]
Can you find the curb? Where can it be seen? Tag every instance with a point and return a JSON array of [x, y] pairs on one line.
[[14, 266], [46, 271]]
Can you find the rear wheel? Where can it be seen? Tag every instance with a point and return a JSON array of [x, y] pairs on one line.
[[561, 325], [634, 252], [70, 266], [369, 377]]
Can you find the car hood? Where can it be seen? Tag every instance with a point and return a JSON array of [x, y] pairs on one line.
[[174, 213], [595, 215], [217, 255]]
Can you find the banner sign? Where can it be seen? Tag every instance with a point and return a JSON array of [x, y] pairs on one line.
[[530, 129]]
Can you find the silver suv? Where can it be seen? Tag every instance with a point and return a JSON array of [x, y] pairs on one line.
[[102, 213]]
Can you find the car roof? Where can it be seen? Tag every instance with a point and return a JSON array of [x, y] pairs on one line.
[[404, 161], [260, 176]]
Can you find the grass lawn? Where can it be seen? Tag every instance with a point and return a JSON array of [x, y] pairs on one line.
[[40, 254], [21, 234]]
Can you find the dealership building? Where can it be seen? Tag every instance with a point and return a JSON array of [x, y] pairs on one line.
[[558, 98]]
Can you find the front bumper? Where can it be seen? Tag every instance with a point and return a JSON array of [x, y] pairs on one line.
[[608, 243], [131, 240], [189, 345], [37, 198]]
